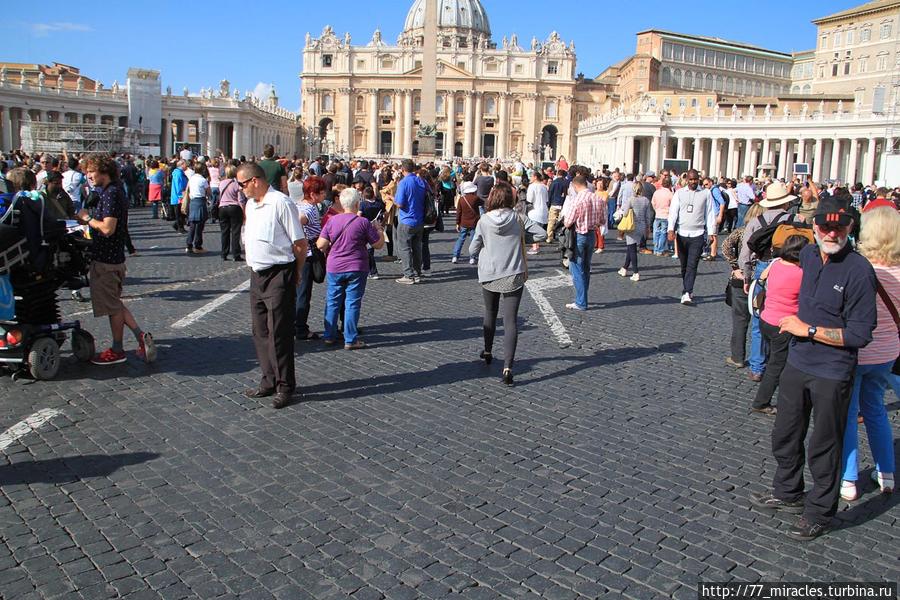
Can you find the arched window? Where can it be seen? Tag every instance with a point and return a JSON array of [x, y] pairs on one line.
[[729, 85], [460, 106], [387, 103], [807, 88], [709, 82], [360, 104], [517, 108], [795, 89], [689, 79], [552, 109], [439, 104], [490, 105], [327, 103], [720, 83], [417, 104], [757, 88], [666, 76], [676, 76]]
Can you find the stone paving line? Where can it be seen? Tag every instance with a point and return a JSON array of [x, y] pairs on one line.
[[618, 466]]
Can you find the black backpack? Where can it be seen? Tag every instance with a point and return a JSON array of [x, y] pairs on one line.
[[431, 214], [760, 242]]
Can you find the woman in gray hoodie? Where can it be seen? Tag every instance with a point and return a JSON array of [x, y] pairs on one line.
[[502, 271]]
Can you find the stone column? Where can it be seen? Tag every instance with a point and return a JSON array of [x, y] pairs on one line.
[[407, 122], [6, 125], [714, 157], [653, 160], [817, 161], [531, 133], [208, 138], [372, 148], [236, 148], [628, 159], [868, 176], [468, 123], [681, 150], [398, 124], [695, 157], [750, 157], [783, 159], [345, 108], [766, 152], [835, 170], [450, 135], [729, 160], [503, 141], [476, 131], [851, 165]]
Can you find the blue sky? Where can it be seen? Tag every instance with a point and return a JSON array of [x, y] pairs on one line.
[[252, 46]]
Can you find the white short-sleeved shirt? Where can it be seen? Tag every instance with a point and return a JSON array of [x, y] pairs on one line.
[[73, 181], [198, 186], [272, 227]]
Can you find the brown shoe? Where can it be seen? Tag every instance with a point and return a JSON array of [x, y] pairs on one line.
[[282, 399], [258, 393], [768, 410], [755, 377], [731, 362], [358, 344]]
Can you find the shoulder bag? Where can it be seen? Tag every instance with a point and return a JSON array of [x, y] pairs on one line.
[[318, 257], [626, 225], [893, 310]]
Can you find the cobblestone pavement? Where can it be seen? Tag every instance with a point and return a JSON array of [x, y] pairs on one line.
[[619, 466]]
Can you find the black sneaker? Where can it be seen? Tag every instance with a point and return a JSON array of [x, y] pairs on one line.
[[770, 502], [805, 531]]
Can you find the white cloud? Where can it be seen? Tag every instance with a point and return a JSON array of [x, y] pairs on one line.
[[262, 90], [44, 29]]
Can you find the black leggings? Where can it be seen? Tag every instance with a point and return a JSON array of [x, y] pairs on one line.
[[511, 302], [631, 257]]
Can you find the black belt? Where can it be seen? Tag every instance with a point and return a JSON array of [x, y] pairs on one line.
[[275, 268]]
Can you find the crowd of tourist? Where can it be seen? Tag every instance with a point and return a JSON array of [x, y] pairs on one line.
[[814, 272]]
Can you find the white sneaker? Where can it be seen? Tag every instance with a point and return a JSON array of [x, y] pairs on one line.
[[885, 481], [454, 260], [598, 251], [686, 298], [623, 272], [471, 261], [848, 491], [636, 277]]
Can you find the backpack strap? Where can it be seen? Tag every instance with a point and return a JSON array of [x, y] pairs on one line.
[[887, 302]]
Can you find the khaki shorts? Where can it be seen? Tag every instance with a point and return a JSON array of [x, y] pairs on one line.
[[106, 288]]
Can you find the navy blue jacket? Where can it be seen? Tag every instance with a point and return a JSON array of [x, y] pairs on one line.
[[559, 188]]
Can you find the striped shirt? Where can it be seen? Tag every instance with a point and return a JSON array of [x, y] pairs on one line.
[[313, 228], [586, 213], [885, 345]]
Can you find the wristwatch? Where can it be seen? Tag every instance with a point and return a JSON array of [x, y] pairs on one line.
[[811, 332]]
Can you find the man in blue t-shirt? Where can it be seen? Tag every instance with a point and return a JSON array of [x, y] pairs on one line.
[[410, 200], [719, 206], [179, 184]]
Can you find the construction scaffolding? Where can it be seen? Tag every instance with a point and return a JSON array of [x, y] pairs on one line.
[[78, 138]]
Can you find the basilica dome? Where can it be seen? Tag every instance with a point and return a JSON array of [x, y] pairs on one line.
[[463, 15]]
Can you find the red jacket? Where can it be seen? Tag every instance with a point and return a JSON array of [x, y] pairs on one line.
[[467, 213]]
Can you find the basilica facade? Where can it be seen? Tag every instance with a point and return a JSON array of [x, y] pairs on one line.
[[515, 99]]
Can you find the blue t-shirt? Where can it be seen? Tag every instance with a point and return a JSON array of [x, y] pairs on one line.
[[410, 199], [179, 183]]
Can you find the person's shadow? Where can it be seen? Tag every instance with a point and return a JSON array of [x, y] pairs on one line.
[[68, 469]]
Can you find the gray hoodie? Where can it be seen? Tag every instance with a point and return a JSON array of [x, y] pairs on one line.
[[498, 236]]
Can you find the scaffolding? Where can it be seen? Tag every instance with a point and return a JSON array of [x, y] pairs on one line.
[[78, 137]]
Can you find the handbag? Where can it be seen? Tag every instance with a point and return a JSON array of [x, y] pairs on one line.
[[893, 310], [627, 225]]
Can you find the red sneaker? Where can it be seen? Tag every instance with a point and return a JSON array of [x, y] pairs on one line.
[[146, 348], [109, 357]]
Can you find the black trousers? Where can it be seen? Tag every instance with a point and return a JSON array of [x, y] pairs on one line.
[[272, 299], [304, 299], [740, 322], [800, 394], [689, 251], [775, 361], [511, 303], [230, 220]]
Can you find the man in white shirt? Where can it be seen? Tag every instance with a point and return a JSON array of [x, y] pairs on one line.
[[746, 194], [75, 183], [692, 216], [275, 248]]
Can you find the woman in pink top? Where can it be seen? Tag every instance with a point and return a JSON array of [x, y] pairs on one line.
[[662, 199], [880, 243], [783, 279]]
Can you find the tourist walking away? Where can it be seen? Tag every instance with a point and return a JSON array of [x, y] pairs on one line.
[[502, 272], [836, 317], [585, 215], [692, 216], [877, 362], [156, 178], [410, 201], [275, 248], [345, 239], [196, 209], [107, 272], [179, 185], [538, 197], [557, 192], [468, 212], [275, 173], [313, 196], [639, 204], [661, 201]]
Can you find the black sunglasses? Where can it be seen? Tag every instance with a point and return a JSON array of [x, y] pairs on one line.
[[243, 184]]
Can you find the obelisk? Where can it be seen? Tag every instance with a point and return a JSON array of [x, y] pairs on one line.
[[427, 131]]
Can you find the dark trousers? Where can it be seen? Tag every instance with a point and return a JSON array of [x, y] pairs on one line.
[[230, 220], [426, 249], [179, 217], [631, 257], [740, 322], [511, 303], [800, 394], [390, 231], [195, 234], [777, 358], [272, 299], [689, 251], [304, 298]]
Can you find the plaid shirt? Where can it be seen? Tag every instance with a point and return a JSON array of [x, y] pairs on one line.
[[587, 212]]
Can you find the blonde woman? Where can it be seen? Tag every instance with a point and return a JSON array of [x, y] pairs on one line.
[[880, 243]]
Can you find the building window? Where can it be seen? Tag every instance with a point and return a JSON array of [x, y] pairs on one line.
[[709, 103], [490, 105], [490, 67], [878, 100], [461, 65], [834, 70], [807, 89], [700, 56], [682, 102], [689, 54], [517, 108], [710, 58], [865, 35], [552, 109], [519, 69], [553, 67], [677, 78], [387, 63], [823, 41], [850, 38], [387, 104], [667, 50], [741, 64], [666, 76], [418, 64], [694, 103], [417, 104], [863, 65], [821, 74], [360, 104], [689, 79], [847, 68], [360, 65], [836, 40], [460, 106], [885, 31], [881, 62], [439, 104], [720, 60], [709, 82], [729, 85], [327, 103], [678, 53], [326, 61]]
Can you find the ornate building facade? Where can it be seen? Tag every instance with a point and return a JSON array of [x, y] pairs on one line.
[[734, 109], [43, 107], [494, 100]]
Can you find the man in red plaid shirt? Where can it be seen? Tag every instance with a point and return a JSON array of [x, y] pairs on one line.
[[586, 214]]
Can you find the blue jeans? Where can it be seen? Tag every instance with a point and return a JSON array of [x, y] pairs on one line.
[[660, 243], [869, 385], [344, 289], [610, 212], [758, 346], [742, 210], [580, 266], [463, 233]]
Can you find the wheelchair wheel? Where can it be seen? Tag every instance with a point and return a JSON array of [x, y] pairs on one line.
[[82, 345], [43, 358]]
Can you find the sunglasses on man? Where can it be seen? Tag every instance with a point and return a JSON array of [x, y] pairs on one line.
[[243, 184]]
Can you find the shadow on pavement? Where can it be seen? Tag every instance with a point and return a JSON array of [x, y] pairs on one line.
[[70, 468]]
